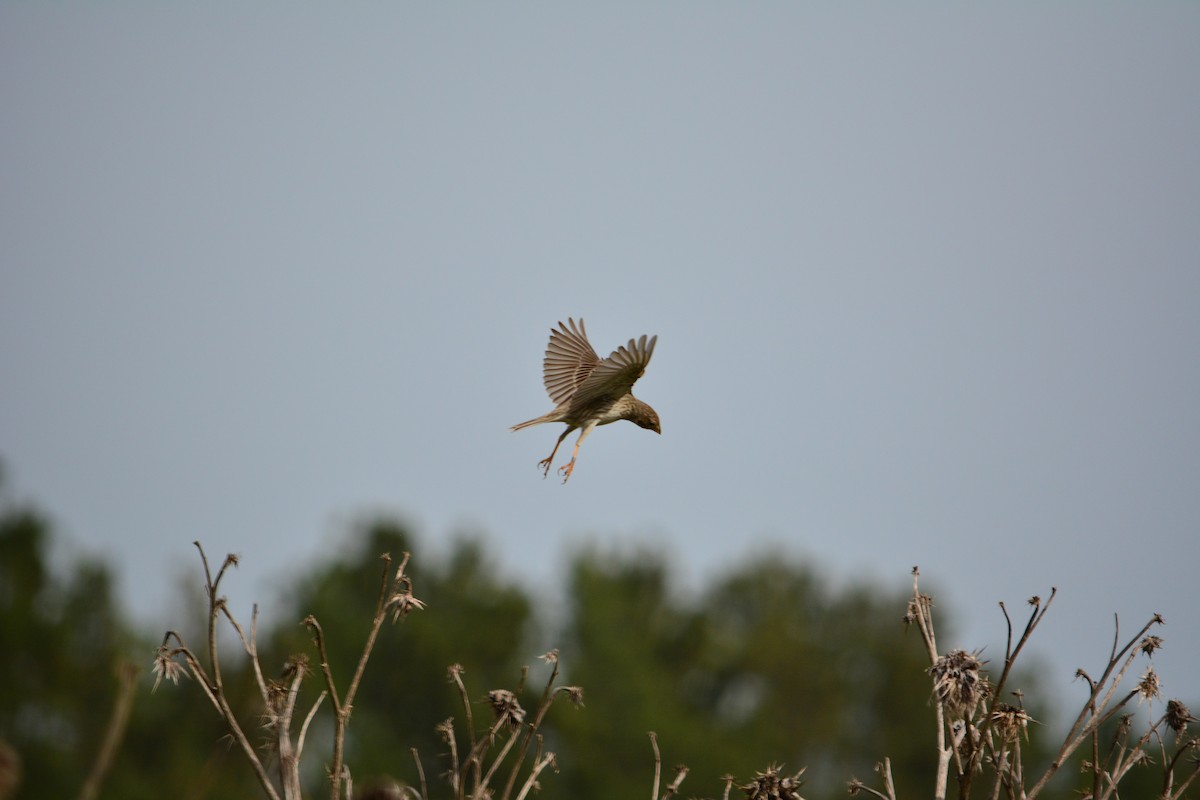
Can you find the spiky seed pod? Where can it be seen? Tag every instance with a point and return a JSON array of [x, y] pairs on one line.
[[958, 684], [504, 704]]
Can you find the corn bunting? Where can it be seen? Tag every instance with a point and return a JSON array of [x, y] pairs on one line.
[[590, 391]]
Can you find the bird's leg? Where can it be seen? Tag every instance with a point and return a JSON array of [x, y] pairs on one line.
[[566, 469], [545, 463]]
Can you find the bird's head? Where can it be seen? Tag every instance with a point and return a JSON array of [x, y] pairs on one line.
[[645, 417]]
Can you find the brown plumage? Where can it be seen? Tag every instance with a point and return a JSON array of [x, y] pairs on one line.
[[591, 391]]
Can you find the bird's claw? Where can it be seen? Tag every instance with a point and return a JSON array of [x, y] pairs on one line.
[[565, 470], [544, 466]]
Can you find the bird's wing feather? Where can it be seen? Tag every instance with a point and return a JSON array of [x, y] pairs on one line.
[[614, 376], [569, 361]]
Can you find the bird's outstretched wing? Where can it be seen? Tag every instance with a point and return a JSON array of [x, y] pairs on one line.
[[614, 376], [569, 361]]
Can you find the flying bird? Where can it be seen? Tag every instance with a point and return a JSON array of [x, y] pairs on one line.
[[590, 391]]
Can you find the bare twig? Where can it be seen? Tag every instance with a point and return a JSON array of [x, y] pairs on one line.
[[343, 706], [537, 770], [420, 773], [548, 695], [127, 675], [216, 691], [657, 764]]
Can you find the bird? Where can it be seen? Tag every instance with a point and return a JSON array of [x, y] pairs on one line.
[[590, 391]]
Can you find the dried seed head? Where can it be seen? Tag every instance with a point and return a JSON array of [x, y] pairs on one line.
[[550, 657], [1149, 644], [445, 729], [402, 601], [1178, 717], [574, 694], [957, 682], [276, 696], [507, 709], [770, 785], [165, 666], [1010, 721], [1034, 601], [1148, 686]]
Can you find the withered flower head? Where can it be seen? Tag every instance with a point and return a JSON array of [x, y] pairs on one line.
[[550, 656], [957, 682], [770, 785], [504, 704], [1150, 643], [445, 729], [574, 694], [402, 601], [1011, 721], [1148, 686], [1178, 716], [165, 666]]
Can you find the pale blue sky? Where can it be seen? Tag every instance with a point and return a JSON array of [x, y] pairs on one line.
[[926, 284]]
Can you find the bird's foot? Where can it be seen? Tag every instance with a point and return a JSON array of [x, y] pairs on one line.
[[544, 466], [565, 470]]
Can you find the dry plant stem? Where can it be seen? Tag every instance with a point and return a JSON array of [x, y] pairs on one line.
[[456, 674], [543, 707], [487, 778], [532, 779], [967, 771], [343, 706], [289, 760], [1169, 779], [924, 609], [217, 690], [888, 783], [673, 788], [420, 773], [456, 781], [1096, 710], [127, 675], [657, 764], [312, 712]]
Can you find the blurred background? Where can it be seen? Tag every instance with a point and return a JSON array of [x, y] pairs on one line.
[[925, 282]]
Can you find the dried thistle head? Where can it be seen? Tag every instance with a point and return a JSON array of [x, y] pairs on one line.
[[1010, 721], [1149, 644], [165, 666], [1149, 687], [550, 656], [445, 729], [507, 709], [574, 694], [1178, 717], [770, 785], [402, 601], [957, 682]]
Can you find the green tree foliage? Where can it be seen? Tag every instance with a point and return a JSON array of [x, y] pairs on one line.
[[61, 641], [768, 665]]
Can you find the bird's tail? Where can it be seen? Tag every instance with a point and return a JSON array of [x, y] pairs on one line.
[[544, 418]]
